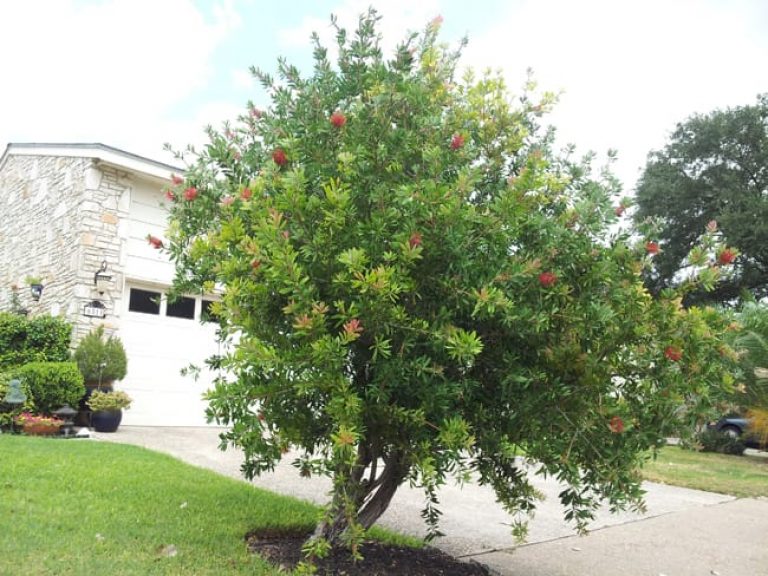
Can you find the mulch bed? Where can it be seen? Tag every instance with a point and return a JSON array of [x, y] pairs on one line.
[[283, 550]]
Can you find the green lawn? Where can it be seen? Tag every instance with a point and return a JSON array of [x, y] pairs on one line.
[[745, 476], [71, 507], [82, 507]]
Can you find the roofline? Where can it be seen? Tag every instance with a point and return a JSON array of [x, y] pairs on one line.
[[98, 151]]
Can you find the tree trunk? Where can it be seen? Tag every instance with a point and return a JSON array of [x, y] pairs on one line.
[[372, 496]]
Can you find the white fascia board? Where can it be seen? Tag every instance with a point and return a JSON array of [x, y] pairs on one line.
[[112, 156]]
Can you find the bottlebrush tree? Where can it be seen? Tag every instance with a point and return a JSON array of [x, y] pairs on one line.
[[422, 288]]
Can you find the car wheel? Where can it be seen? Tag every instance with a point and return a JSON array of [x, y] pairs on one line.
[[731, 431]]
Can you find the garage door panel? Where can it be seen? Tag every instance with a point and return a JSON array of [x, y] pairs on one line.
[[158, 348], [161, 408]]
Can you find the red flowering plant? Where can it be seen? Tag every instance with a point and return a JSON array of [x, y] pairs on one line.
[[27, 418], [430, 290]]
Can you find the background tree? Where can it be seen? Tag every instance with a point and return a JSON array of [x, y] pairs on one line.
[[750, 341], [715, 167], [421, 288]]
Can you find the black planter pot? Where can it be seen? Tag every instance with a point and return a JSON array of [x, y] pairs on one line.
[[83, 417], [106, 421]]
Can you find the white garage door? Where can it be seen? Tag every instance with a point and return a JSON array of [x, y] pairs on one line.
[[160, 339]]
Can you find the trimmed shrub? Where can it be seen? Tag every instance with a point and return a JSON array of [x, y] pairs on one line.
[[712, 440], [101, 361], [50, 385], [39, 339]]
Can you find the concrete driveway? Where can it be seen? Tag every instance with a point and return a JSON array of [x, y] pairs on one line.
[[685, 532]]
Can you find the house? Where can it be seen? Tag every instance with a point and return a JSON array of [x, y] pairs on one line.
[[77, 216]]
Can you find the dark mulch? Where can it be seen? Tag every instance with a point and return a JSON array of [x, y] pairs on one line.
[[283, 550]]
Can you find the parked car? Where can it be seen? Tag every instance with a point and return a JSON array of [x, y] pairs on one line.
[[736, 427]]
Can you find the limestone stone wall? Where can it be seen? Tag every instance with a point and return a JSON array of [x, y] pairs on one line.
[[59, 220]]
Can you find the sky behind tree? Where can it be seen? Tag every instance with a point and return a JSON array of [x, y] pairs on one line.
[[137, 73]]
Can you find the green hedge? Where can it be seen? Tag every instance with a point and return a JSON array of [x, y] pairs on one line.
[[38, 339], [50, 385]]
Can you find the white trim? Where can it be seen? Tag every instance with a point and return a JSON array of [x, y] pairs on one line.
[[99, 152]]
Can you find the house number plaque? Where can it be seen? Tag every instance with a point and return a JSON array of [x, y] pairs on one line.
[[95, 309]]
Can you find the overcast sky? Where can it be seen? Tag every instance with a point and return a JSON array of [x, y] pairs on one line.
[[137, 73]]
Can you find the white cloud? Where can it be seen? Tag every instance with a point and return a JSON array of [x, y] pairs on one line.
[[398, 18], [242, 79], [630, 71], [106, 72], [180, 133]]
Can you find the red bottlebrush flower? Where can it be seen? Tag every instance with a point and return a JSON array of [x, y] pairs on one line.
[[255, 263], [457, 141], [279, 157], [256, 113], [169, 195], [352, 327], [338, 119], [246, 194], [616, 425], [154, 241], [727, 256], [547, 279], [227, 200], [437, 20], [619, 210], [190, 193], [652, 248], [414, 240], [673, 353], [176, 180]]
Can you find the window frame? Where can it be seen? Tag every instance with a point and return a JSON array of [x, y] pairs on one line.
[[163, 310]]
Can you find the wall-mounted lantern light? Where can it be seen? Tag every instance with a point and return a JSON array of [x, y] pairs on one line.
[[101, 279], [36, 290]]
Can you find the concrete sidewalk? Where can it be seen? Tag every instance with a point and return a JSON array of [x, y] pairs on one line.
[[685, 532]]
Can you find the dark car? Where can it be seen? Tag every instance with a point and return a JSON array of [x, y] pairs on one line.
[[736, 427]]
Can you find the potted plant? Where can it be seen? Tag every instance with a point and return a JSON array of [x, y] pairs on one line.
[[38, 425], [107, 409], [101, 361]]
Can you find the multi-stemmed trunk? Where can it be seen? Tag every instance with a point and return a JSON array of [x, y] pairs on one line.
[[362, 497]]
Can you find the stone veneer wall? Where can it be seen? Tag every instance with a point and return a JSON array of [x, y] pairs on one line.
[[59, 219]]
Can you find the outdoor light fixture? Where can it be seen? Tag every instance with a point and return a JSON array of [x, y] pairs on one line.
[[14, 397], [36, 290], [101, 279], [66, 413]]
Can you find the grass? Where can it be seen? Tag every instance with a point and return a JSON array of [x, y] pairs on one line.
[[81, 507], [744, 476]]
